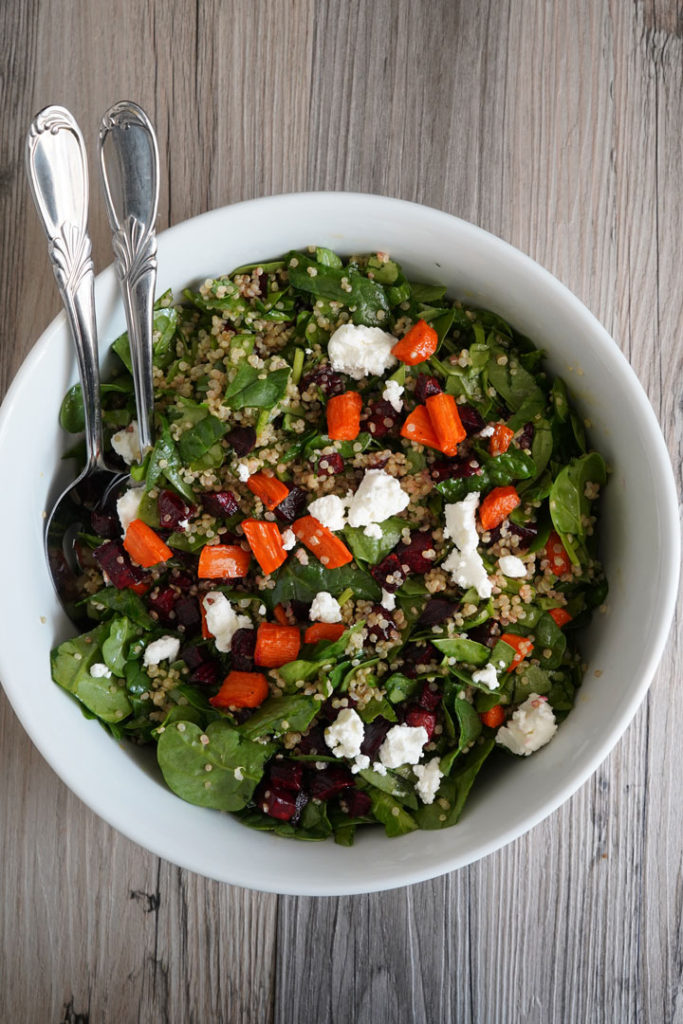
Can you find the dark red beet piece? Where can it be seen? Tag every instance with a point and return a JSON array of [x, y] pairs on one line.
[[187, 612], [278, 803], [193, 656], [456, 469], [380, 418], [381, 625], [486, 634], [182, 580], [437, 609], [429, 699], [414, 657], [291, 507], [161, 601], [327, 782], [426, 386], [330, 464], [327, 379], [242, 650], [470, 419], [173, 510], [221, 504], [241, 439], [507, 529], [388, 567], [206, 675], [314, 741], [412, 554], [286, 774], [105, 524], [355, 802], [113, 559], [526, 437], [373, 738], [417, 716]]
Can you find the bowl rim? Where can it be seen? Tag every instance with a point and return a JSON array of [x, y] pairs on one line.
[[667, 504]]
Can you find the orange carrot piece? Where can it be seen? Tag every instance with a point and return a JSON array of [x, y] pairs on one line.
[[241, 690], [144, 545], [560, 616], [281, 615], [497, 506], [269, 489], [418, 427], [223, 561], [327, 548], [418, 344], [522, 648], [265, 541], [500, 439], [494, 717], [560, 562], [343, 416], [140, 588], [323, 631], [276, 645], [445, 419]]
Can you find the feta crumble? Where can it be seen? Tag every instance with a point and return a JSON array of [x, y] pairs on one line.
[[325, 608], [465, 563], [100, 671], [127, 506], [374, 531], [486, 431], [428, 778], [531, 726], [361, 351], [243, 473], [403, 745], [378, 497], [222, 621], [126, 443], [512, 567], [164, 649], [487, 676], [388, 600], [288, 539], [330, 511], [392, 394], [344, 736]]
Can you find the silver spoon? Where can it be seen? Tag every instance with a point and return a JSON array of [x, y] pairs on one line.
[[129, 160], [58, 175]]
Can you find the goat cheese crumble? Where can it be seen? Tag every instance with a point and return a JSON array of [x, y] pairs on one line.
[[428, 778], [361, 351], [222, 620], [531, 726], [126, 443], [378, 497], [465, 563], [403, 745], [512, 567], [325, 608], [392, 394], [345, 735], [164, 649], [329, 510]]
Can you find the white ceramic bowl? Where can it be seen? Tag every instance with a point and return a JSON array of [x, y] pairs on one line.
[[640, 550]]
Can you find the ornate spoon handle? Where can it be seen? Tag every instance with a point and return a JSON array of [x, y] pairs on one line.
[[129, 159], [57, 171]]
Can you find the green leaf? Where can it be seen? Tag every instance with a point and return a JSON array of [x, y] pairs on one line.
[[254, 388], [222, 773], [467, 651], [196, 442], [513, 383], [124, 602], [392, 784], [396, 820], [327, 258], [569, 505], [455, 789], [165, 462], [115, 647], [531, 679], [373, 549], [165, 322], [71, 414], [296, 582], [278, 715], [71, 662], [367, 298], [399, 687]]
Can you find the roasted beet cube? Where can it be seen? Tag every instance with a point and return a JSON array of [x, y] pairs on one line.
[[416, 657], [242, 650], [182, 580], [206, 674], [487, 633], [437, 609], [380, 418], [526, 437], [187, 612], [278, 803], [174, 511], [241, 439], [314, 741], [326, 782], [388, 573], [330, 465], [161, 603], [113, 559], [426, 386], [417, 716], [470, 419], [291, 507], [328, 380], [355, 802], [373, 737], [411, 555], [507, 529], [456, 469], [193, 656], [381, 626], [429, 698], [286, 774], [221, 504], [105, 524]]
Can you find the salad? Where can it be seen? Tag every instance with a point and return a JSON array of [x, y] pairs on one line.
[[355, 564]]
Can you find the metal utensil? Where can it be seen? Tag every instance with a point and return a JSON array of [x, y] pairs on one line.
[[129, 161], [58, 175]]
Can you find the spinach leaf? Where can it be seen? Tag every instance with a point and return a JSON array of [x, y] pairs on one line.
[[468, 651], [392, 784], [71, 414], [514, 384], [455, 789], [115, 647], [196, 442], [297, 582], [399, 687], [427, 293], [396, 820], [469, 724], [532, 679], [278, 715], [347, 449], [222, 773], [164, 461], [125, 602], [164, 322], [569, 505], [549, 637], [327, 258], [512, 465], [373, 549], [367, 296], [252, 390], [378, 706], [299, 669], [70, 664]]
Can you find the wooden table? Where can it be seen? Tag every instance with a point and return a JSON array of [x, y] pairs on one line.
[[556, 125]]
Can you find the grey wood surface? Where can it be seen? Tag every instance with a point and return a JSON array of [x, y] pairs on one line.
[[556, 125]]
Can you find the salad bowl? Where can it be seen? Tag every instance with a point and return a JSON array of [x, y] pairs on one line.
[[621, 648]]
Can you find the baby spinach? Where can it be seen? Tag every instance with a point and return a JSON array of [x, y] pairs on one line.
[[569, 506], [115, 647], [221, 773], [455, 789], [278, 715], [165, 322], [165, 462], [468, 651], [396, 820], [124, 602], [366, 297], [373, 549], [516, 386], [256, 389], [196, 442], [71, 663], [297, 582], [71, 414]]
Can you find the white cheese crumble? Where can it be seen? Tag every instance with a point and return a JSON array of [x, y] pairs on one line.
[[512, 566], [374, 531], [222, 621], [361, 762], [486, 432], [428, 778], [378, 497], [379, 768], [486, 676], [243, 472], [344, 736], [100, 671], [392, 394], [126, 443], [464, 563], [532, 726], [164, 649], [288, 539], [325, 608], [403, 745], [127, 506], [330, 511], [361, 351], [388, 600]]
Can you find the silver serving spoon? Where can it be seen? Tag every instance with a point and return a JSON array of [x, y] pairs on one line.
[[58, 175]]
